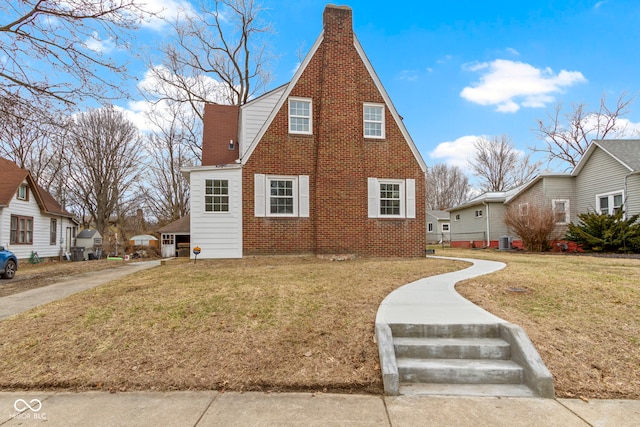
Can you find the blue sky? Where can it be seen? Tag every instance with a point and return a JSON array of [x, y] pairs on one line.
[[458, 70]]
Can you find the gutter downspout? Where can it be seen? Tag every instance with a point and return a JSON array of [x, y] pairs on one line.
[[488, 224]]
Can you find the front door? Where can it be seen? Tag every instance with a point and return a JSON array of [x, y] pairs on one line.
[[168, 246]]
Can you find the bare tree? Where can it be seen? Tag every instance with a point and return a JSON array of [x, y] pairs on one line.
[[166, 191], [499, 166], [218, 55], [447, 186], [47, 49], [566, 136], [106, 149]]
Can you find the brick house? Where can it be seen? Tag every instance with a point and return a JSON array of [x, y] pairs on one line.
[[321, 165]]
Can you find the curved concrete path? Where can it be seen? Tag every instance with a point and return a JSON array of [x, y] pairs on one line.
[[434, 300]]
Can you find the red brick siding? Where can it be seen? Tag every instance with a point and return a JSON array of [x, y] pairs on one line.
[[337, 159], [220, 127]]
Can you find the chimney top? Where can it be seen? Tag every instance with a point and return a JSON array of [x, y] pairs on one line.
[[337, 22]]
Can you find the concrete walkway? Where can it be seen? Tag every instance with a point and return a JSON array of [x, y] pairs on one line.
[[211, 408], [433, 300], [23, 301]]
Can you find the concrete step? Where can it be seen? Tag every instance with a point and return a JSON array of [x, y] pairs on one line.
[[459, 371], [481, 390], [452, 348], [446, 331]]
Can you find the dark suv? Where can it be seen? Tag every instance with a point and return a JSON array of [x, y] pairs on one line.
[[8, 263]]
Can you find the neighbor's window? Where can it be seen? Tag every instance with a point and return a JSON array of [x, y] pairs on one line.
[[216, 195], [524, 209], [23, 192], [445, 227], [457, 218], [430, 227], [53, 232], [479, 213], [300, 115], [374, 121], [561, 211], [609, 203], [21, 232]]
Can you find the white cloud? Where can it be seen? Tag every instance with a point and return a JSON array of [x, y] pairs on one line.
[[96, 44], [165, 11], [408, 75], [510, 85], [512, 51], [455, 153]]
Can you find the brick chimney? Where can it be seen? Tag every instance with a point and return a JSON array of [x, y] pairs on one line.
[[220, 134], [338, 24]]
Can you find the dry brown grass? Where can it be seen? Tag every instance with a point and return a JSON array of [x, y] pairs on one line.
[[581, 312], [274, 323]]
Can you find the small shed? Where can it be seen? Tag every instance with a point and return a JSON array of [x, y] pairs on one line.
[[144, 240], [91, 241], [174, 234]]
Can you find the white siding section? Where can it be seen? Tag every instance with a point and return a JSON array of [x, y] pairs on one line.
[[254, 115], [41, 229], [218, 234]]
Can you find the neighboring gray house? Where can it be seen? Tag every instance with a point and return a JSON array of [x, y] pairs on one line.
[[606, 179], [438, 226]]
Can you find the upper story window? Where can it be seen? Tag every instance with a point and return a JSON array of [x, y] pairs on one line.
[[374, 121], [524, 209], [23, 192], [457, 217], [479, 213], [216, 195], [609, 203], [561, 210], [300, 116]]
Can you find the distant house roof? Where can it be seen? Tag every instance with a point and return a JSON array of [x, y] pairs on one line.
[[180, 226], [625, 151], [88, 234], [12, 176], [488, 197], [438, 214]]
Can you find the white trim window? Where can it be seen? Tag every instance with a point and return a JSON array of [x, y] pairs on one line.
[[524, 209], [300, 117], [281, 196], [373, 121], [478, 213], [445, 227], [561, 210], [392, 198], [609, 203], [23, 192], [429, 227], [216, 195], [457, 217]]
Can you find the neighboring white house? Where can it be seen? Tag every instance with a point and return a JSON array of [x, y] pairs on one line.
[[31, 220], [438, 226]]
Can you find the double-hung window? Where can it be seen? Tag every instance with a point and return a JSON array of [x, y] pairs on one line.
[[281, 196], [561, 210], [478, 213], [610, 203], [392, 198], [21, 232], [300, 119], [23, 192], [216, 195], [374, 121]]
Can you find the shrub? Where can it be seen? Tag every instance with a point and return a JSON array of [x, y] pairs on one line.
[[534, 227], [605, 233]]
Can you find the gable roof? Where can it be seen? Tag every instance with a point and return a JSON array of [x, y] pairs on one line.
[[374, 77], [179, 226], [87, 234], [489, 197], [438, 214], [624, 151], [12, 176]]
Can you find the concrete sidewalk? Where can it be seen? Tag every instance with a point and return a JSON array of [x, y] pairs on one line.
[[23, 301], [210, 408]]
